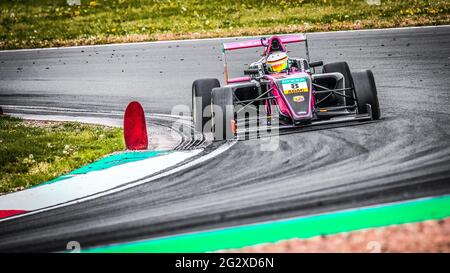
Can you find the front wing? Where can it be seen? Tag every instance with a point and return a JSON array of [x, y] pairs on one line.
[[254, 128]]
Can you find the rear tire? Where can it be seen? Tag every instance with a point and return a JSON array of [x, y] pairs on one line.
[[344, 69], [366, 93], [201, 89], [223, 121]]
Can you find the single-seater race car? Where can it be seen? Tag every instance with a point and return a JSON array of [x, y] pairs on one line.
[[288, 89]]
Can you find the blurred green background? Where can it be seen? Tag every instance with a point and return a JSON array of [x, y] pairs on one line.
[[43, 23]]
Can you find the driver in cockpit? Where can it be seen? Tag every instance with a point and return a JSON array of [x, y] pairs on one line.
[[277, 61]]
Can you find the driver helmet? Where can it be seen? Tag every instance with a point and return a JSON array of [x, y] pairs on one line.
[[277, 61]]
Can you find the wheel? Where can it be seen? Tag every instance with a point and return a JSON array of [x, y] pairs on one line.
[[344, 69], [223, 121], [201, 97], [366, 92], [341, 67]]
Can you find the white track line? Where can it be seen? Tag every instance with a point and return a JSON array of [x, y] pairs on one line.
[[94, 184], [75, 111], [113, 122], [194, 162], [218, 38], [83, 185]]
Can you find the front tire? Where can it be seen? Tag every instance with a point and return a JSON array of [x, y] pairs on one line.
[[344, 69], [366, 93], [223, 121], [201, 99]]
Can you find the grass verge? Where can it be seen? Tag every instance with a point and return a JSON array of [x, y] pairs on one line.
[[32, 152], [46, 23]]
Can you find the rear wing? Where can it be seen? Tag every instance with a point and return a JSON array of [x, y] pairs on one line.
[[287, 39], [263, 42]]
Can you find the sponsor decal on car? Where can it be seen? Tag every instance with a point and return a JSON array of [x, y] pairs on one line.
[[294, 86], [298, 99]]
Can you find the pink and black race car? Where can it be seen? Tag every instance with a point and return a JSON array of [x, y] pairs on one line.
[[281, 91]]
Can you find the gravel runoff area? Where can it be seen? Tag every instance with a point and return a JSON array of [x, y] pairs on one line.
[[428, 236]]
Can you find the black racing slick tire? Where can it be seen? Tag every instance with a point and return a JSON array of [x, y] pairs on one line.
[[223, 116], [366, 93], [344, 69], [201, 100], [341, 67]]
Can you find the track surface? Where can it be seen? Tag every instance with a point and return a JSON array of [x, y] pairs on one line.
[[405, 155]]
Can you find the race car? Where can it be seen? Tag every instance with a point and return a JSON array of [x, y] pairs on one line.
[[278, 87]]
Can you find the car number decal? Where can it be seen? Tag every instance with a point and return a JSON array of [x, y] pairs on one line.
[[294, 85]]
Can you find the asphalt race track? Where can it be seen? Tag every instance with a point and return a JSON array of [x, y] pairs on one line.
[[405, 155]]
